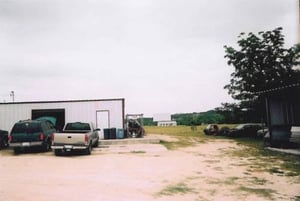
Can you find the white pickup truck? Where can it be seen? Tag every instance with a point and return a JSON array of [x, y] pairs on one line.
[[75, 136]]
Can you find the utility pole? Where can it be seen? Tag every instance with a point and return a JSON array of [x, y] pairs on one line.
[[12, 94]]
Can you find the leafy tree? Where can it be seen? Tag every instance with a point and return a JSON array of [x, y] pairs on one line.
[[209, 117], [148, 121], [261, 63], [231, 113]]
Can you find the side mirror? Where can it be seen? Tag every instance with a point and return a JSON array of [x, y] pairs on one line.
[[97, 129]]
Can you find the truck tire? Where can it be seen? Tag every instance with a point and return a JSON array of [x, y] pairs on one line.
[[46, 146], [4, 143], [97, 143], [88, 150], [17, 150], [57, 152]]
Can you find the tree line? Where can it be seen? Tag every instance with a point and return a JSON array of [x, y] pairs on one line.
[[193, 119]]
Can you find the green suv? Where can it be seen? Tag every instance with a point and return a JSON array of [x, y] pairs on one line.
[[31, 133]]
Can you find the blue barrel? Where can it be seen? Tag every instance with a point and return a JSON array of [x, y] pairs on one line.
[[120, 133]]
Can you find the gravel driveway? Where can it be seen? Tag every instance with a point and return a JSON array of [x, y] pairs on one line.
[[142, 172]]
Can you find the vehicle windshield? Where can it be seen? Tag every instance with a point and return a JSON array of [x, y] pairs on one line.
[[26, 128]]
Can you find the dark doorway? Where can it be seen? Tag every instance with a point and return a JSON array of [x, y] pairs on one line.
[[59, 114]]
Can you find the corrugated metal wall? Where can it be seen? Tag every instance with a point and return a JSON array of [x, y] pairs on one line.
[[74, 111]]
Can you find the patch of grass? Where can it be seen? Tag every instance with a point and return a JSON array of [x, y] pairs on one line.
[[185, 135], [138, 152], [177, 144], [262, 192], [297, 198], [227, 181], [187, 131], [259, 181], [212, 192], [286, 162], [292, 174], [174, 145], [291, 163], [180, 188], [175, 130], [253, 147], [230, 180], [212, 161], [201, 198], [276, 170]]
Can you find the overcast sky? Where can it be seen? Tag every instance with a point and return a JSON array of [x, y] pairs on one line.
[[162, 56]]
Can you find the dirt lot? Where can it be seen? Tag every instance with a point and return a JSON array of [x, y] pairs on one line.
[[140, 172]]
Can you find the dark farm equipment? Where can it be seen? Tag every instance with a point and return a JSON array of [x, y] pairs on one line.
[[134, 126]]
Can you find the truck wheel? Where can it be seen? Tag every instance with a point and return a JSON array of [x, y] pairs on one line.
[[46, 146], [17, 150], [89, 149], [97, 143], [4, 143], [57, 152]]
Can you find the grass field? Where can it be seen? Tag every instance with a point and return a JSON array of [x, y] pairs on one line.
[[186, 135], [189, 136], [180, 131]]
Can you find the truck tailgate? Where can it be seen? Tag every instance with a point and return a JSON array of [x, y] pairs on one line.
[[69, 138]]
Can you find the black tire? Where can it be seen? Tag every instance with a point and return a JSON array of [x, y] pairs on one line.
[[97, 143], [88, 150], [57, 152], [17, 150], [4, 143], [46, 146]]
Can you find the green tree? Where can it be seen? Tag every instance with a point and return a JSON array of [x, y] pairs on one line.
[[231, 113], [198, 118], [261, 63]]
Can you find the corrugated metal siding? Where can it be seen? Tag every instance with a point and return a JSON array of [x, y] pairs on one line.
[[74, 111]]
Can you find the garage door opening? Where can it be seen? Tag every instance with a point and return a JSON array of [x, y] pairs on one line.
[[59, 114]]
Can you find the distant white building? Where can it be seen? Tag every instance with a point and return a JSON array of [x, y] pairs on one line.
[[164, 119], [166, 123]]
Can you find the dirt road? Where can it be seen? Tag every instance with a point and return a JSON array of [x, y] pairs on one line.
[[145, 172]]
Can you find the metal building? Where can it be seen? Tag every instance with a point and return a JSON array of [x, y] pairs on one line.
[[104, 113]]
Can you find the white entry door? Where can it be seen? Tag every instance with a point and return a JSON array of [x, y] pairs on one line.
[[102, 121]]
